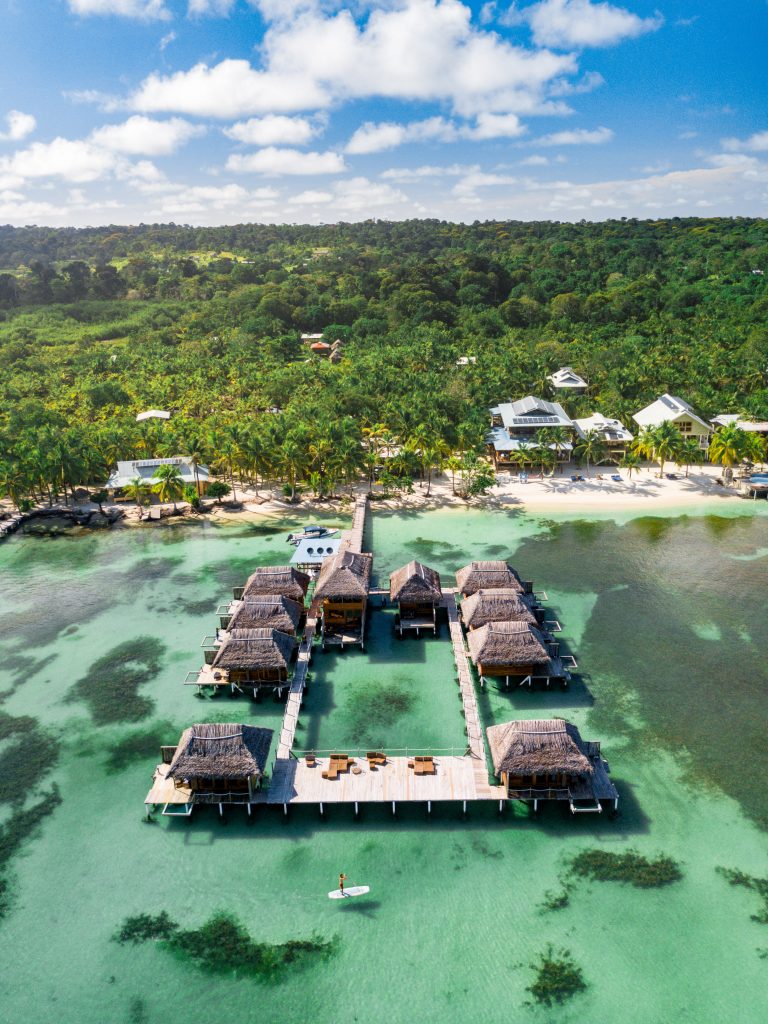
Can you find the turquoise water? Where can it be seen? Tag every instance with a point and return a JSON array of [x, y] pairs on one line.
[[667, 618]]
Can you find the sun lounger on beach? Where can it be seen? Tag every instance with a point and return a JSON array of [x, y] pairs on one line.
[[617, 477], [671, 476], [577, 478]]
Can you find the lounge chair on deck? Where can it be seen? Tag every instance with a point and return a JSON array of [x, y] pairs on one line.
[[424, 765], [375, 758]]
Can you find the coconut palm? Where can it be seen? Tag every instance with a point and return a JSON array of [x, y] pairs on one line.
[[169, 486], [754, 448], [631, 462], [727, 445], [591, 448], [690, 454], [138, 491], [661, 443]]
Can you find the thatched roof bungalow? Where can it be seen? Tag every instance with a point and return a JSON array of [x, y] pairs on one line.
[[255, 657], [501, 605], [342, 589], [277, 580], [511, 649], [267, 611], [416, 590], [496, 575], [220, 759], [547, 759]]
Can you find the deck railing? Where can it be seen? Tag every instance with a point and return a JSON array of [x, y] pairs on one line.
[[540, 794], [361, 752]]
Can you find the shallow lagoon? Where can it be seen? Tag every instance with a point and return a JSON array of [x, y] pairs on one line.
[[666, 616]]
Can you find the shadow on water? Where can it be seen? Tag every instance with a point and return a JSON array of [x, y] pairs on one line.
[[360, 908]]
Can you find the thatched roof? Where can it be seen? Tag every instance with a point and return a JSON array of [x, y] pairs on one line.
[[538, 746], [255, 648], [508, 643], [270, 610], [415, 582], [225, 750], [496, 606], [347, 574], [487, 576], [282, 580]]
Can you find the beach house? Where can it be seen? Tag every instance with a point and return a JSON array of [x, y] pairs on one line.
[[671, 409], [146, 469], [614, 435], [517, 429]]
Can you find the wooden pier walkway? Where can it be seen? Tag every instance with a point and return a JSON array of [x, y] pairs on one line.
[[353, 539], [298, 685]]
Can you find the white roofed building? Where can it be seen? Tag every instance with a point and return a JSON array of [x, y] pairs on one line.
[[146, 469], [670, 409], [727, 419], [566, 379], [613, 433], [514, 426]]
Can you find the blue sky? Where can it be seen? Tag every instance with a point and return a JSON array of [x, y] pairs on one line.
[[220, 111]]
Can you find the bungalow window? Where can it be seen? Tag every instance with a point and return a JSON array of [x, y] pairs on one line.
[[685, 426]]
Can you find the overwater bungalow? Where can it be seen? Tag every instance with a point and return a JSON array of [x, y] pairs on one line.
[[516, 651], [490, 576], [546, 759], [278, 580], [501, 605], [415, 589], [250, 660], [267, 611], [217, 763], [342, 590]]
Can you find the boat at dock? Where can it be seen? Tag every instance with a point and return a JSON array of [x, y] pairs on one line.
[[310, 533]]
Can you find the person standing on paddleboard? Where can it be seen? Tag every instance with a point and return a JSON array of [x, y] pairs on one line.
[[342, 880]]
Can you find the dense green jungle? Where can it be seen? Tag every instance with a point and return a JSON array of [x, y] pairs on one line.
[[99, 324]]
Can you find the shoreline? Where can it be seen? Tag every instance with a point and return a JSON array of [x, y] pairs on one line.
[[644, 494]]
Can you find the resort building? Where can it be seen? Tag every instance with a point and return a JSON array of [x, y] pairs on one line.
[[145, 470], [612, 433], [249, 659], [515, 426], [309, 339], [501, 605], [416, 591], [270, 611], [490, 576], [278, 580], [670, 409], [546, 759], [342, 592], [218, 763], [566, 379], [515, 651], [729, 419]]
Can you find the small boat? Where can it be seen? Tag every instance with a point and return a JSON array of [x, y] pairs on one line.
[[310, 533]]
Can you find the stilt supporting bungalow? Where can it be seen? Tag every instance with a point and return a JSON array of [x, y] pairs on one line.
[[416, 591], [546, 759], [342, 594]]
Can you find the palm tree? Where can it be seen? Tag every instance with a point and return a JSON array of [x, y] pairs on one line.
[[754, 448], [661, 443], [546, 459], [630, 461], [591, 448], [690, 454], [138, 491], [558, 439], [727, 445], [453, 465], [169, 486]]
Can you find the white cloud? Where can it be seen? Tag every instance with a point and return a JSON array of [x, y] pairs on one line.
[[466, 189], [408, 174], [359, 195], [166, 41], [536, 160], [19, 126], [274, 129], [75, 161], [374, 138], [417, 50], [576, 137], [274, 162], [144, 10], [577, 24], [144, 136], [757, 143], [311, 197], [201, 8]]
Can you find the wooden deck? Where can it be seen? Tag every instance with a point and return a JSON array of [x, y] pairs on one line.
[[354, 537], [395, 782], [164, 791], [298, 685]]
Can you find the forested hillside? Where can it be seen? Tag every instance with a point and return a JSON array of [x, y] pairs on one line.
[[98, 324]]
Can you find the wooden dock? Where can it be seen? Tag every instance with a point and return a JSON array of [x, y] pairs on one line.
[[298, 685], [353, 538]]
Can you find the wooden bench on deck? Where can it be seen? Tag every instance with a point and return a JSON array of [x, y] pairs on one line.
[[375, 758], [424, 764], [337, 763]]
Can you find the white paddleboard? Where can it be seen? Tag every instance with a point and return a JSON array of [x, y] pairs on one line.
[[352, 890]]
